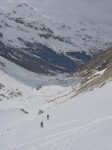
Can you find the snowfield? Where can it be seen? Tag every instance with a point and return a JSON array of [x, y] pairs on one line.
[[83, 122]]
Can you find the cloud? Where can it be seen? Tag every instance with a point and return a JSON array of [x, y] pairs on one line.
[[95, 10]]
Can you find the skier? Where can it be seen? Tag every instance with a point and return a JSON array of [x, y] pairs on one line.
[[41, 124], [47, 117]]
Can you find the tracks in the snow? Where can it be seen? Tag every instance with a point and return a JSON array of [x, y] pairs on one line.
[[55, 135]]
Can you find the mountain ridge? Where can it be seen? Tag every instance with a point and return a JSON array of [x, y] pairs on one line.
[[31, 33]]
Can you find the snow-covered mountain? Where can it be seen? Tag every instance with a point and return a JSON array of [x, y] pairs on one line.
[[35, 80], [80, 114], [42, 44], [44, 38]]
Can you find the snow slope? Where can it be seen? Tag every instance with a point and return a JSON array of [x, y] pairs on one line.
[[14, 94], [84, 122]]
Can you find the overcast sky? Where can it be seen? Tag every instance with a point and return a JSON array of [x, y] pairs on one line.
[[97, 10]]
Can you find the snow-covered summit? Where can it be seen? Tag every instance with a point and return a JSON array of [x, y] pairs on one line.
[[27, 23], [28, 31]]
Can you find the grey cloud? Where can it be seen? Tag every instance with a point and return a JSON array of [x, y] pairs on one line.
[[96, 10]]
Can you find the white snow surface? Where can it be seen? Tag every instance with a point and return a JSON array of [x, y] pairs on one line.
[[83, 122], [77, 32]]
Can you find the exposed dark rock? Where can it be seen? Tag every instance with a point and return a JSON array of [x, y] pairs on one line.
[[19, 20], [46, 36], [1, 35], [80, 55], [23, 110], [38, 58], [44, 28], [31, 25], [2, 64], [51, 56], [40, 112], [1, 86]]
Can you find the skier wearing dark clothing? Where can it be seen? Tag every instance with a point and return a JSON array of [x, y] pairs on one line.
[[41, 124], [47, 117]]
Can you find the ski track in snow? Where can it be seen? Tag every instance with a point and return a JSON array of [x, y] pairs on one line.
[[88, 115], [53, 138]]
